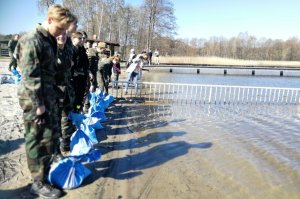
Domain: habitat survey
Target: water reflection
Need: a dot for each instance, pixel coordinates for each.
(256, 146)
(262, 81)
(236, 112)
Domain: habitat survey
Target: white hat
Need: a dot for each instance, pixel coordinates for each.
(132, 50)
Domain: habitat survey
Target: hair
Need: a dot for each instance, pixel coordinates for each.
(116, 58)
(84, 34)
(101, 44)
(61, 14)
(76, 35)
(143, 56)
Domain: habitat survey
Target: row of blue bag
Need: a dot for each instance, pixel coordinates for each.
(69, 172)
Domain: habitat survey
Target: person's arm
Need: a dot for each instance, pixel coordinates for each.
(10, 50)
(118, 68)
(31, 75)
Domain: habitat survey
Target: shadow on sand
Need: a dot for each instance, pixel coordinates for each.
(132, 165)
(137, 119)
(10, 145)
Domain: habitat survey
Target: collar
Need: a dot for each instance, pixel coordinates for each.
(42, 30)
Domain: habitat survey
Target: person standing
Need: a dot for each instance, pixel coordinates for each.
(116, 70)
(80, 70)
(156, 54)
(37, 57)
(92, 54)
(11, 49)
(67, 127)
(65, 94)
(134, 70)
(149, 57)
(93, 64)
(104, 65)
(132, 55)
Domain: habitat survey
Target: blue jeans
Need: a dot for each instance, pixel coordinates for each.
(132, 77)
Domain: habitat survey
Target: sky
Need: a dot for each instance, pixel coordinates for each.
(275, 19)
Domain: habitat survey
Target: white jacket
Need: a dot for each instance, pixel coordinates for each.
(136, 65)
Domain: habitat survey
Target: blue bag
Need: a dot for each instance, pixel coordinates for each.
(76, 118)
(90, 131)
(92, 98)
(80, 143)
(109, 99)
(100, 115)
(93, 122)
(68, 174)
(91, 156)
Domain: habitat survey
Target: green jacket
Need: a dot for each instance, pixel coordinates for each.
(37, 57)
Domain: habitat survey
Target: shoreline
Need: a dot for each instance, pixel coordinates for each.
(235, 64)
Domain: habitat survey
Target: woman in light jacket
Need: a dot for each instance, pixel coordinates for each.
(134, 70)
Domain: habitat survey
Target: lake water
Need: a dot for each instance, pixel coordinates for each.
(246, 80)
(254, 146)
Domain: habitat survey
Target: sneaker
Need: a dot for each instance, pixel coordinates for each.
(45, 190)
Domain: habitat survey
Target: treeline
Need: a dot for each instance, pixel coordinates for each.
(115, 21)
(153, 25)
(243, 46)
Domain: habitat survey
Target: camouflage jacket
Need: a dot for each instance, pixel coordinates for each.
(37, 58)
(105, 65)
(93, 58)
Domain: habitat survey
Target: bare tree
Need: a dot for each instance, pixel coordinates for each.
(43, 5)
(161, 19)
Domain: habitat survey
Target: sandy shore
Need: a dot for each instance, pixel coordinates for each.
(146, 156)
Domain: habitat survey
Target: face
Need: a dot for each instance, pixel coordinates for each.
(77, 41)
(102, 50)
(61, 39)
(88, 44)
(94, 45)
(83, 39)
(17, 37)
(115, 61)
(56, 28)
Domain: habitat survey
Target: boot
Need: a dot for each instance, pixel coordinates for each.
(45, 190)
(65, 147)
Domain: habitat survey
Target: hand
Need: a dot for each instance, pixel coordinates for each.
(91, 76)
(40, 110)
(41, 119)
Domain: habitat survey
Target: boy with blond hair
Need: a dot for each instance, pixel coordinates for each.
(37, 57)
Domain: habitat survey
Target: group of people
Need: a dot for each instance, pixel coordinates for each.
(156, 57)
(58, 73)
(59, 68)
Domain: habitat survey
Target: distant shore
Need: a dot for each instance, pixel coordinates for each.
(226, 62)
(215, 62)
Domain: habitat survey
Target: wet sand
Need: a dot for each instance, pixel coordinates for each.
(147, 154)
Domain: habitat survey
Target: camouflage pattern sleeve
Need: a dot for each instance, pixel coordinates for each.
(31, 72)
